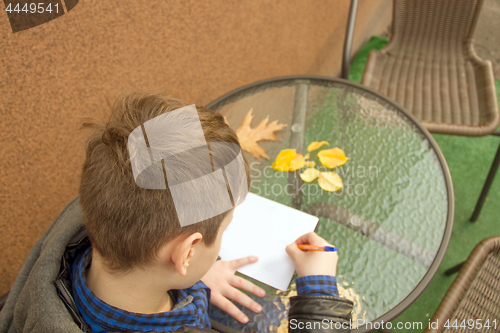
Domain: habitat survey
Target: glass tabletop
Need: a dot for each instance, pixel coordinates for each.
(392, 219)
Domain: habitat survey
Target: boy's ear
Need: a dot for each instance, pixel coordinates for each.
(185, 251)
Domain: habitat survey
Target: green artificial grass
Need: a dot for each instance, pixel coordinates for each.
(469, 160)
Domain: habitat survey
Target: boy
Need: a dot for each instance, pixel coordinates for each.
(139, 240)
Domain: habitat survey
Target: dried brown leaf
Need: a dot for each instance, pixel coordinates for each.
(249, 137)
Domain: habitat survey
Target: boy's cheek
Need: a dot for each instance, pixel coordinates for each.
(202, 263)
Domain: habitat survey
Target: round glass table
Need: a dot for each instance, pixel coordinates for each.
(392, 219)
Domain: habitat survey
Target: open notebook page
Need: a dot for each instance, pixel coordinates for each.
(263, 228)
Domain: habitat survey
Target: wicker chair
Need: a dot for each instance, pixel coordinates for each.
(475, 293)
(430, 67)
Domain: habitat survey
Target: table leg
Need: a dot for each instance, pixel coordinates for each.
(454, 269)
(297, 137)
(486, 187)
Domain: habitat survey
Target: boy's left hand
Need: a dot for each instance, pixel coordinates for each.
(223, 283)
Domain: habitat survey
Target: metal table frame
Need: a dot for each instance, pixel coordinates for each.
(403, 305)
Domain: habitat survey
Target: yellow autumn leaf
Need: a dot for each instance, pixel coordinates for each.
(315, 145)
(310, 164)
(309, 175)
(284, 159)
(288, 160)
(332, 158)
(297, 163)
(330, 181)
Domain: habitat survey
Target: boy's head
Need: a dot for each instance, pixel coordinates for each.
(128, 225)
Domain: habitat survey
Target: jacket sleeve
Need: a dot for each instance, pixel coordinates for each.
(319, 314)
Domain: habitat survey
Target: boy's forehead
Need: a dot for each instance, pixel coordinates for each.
(173, 145)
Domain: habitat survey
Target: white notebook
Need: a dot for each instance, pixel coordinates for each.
(263, 228)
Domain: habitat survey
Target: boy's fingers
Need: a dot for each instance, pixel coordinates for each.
(306, 239)
(293, 250)
(222, 303)
(235, 264)
(246, 285)
(312, 238)
(240, 298)
(321, 240)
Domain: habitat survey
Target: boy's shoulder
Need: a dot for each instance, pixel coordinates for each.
(33, 301)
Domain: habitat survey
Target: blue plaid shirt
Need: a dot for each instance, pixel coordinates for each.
(191, 304)
(317, 285)
(102, 317)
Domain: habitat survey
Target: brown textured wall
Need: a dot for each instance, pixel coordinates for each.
(53, 75)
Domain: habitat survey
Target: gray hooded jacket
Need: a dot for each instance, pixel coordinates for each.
(40, 299)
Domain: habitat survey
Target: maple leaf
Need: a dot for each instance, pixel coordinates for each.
(249, 137)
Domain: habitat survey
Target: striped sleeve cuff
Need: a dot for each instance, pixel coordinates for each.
(317, 285)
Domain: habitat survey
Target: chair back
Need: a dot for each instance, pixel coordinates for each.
(434, 28)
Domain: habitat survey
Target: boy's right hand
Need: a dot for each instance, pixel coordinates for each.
(312, 262)
(223, 284)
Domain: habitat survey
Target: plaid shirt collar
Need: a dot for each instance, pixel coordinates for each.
(191, 307)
